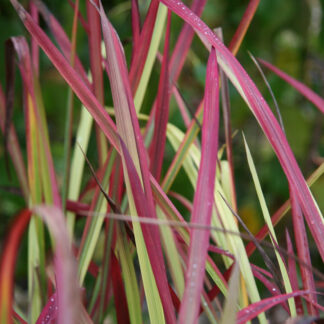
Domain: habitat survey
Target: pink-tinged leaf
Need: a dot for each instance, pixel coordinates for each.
(136, 25)
(265, 117)
(303, 252)
(119, 292)
(203, 200)
(94, 37)
(243, 26)
(292, 273)
(49, 312)
(252, 311)
(7, 265)
(130, 134)
(34, 45)
(61, 38)
(67, 286)
(183, 43)
(272, 288)
(156, 151)
(70, 75)
(151, 236)
(182, 106)
(139, 56)
(318, 306)
(299, 86)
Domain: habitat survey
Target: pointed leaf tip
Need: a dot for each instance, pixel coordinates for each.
(19, 8)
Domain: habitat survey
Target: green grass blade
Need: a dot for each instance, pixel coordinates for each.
(267, 218)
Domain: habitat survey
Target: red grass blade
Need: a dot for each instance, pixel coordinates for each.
(136, 25)
(34, 45)
(253, 310)
(203, 201)
(303, 253)
(49, 312)
(67, 286)
(61, 38)
(300, 87)
(94, 37)
(7, 265)
(292, 273)
(266, 119)
(119, 292)
(139, 56)
(183, 44)
(157, 146)
(243, 26)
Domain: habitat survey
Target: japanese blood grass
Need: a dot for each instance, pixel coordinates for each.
(155, 266)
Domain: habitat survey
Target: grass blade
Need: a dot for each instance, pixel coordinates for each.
(303, 253)
(243, 26)
(67, 286)
(94, 36)
(183, 43)
(299, 86)
(7, 265)
(231, 302)
(157, 146)
(267, 219)
(140, 56)
(253, 310)
(203, 201)
(292, 272)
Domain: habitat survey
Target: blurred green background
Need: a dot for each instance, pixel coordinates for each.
(289, 34)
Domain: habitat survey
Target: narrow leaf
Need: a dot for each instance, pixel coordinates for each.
(253, 310)
(203, 201)
(303, 253)
(299, 86)
(7, 265)
(68, 290)
(162, 111)
(243, 26)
